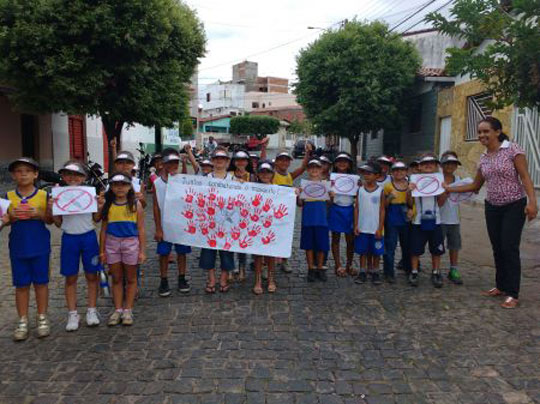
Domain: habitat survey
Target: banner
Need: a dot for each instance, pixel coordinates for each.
(456, 197)
(245, 217)
(4, 206)
(427, 184)
(345, 184)
(74, 200)
(314, 190)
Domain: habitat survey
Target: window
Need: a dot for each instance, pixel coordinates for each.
(254, 105)
(208, 97)
(264, 105)
(477, 109)
(269, 104)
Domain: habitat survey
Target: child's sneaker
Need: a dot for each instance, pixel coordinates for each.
(115, 318)
(73, 321)
(92, 318)
(311, 275)
(21, 331)
(455, 277)
(361, 278)
(376, 278)
(183, 285)
(413, 279)
(164, 289)
(436, 279)
(43, 326)
(322, 275)
(127, 317)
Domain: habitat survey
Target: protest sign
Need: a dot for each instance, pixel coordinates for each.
(427, 184)
(74, 200)
(315, 190)
(245, 217)
(344, 184)
(456, 197)
(4, 206)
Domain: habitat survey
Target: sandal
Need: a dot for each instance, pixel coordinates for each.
(271, 282)
(210, 289)
(341, 272)
(351, 271)
(224, 288)
(257, 290)
(493, 293)
(510, 303)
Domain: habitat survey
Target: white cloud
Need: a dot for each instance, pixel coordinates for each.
(245, 29)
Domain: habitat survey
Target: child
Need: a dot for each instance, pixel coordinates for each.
(242, 171)
(426, 226)
(189, 156)
(29, 245)
(369, 224)
(283, 177)
(341, 217)
(125, 163)
(122, 244)
(220, 160)
(398, 214)
(171, 160)
(450, 216)
(326, 167)
(385, 164)
(314, 234)
(157, 164)
(206, 167)
(265, 175)
(79, 241)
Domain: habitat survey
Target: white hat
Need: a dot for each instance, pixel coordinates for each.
(399, 165)
(206, 162)
(265, 166)
(314, 162)
(120, 178)
(241, 155)
(449, 158)
(220, 153)
(284, 154)
(343, 156)
(325, 159)
(73, 167)
(384, 159)
(429, 159)
(170, 157)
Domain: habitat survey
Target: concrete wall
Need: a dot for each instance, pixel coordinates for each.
(60, 139)
(268, 100)
(432, 47)
(224, 96)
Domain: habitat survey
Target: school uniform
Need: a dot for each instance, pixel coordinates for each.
(164, 247)
(29, 242)
(122, 241)
(283, 180)
(450, 223)
(397, 227)
(382, 183)
(427, 231)
(79, 242)
(341, 214)
(369, 205)
(314, 232)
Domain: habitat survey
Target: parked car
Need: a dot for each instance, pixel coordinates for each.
(299, 149)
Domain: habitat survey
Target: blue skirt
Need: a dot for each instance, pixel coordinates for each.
(341, 219)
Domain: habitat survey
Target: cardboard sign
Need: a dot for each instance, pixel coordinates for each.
(317, 190)
(344, 184)
(4, 206)
(226, 215)
(427, 184)
(458, 197)
(74, 200)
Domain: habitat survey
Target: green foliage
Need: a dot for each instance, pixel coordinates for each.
(305, 127)
(353, 80)
(186, 128)
(254, 125)
(129, 61)
(502, 49)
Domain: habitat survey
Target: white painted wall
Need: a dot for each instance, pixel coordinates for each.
(94, 139)
(269, 100)
(224, 96)
(60, 132)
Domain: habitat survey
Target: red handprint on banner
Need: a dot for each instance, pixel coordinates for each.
(267, 222)
(201, 216)
(211, 241)
(254, 231)
(188, 213)
(244, 212)
(221, 202)
(191, 229)
(281, 212)
(201, 201)
(256, 215)
(230, 203)
(212, 194)
(243, 224)
(212, 224)
(204, 229)
(240, 201)
(227, 245)
(245, 242)
(190, 194)
(267, 205)
(270, 237)
(220, 232)
(256, 200)
(235, 233)
(210, 210)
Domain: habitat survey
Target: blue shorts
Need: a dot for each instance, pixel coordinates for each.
(367, 244)
(315, 238)
(75, 247)
(208, 259)
(341, 218)
(27, 271)
(420, 237)
(165, 248)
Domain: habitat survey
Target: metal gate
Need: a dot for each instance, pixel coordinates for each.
(526, 128)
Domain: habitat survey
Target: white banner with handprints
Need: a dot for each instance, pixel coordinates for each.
(227, 215)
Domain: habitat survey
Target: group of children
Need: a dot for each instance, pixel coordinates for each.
(382, 213)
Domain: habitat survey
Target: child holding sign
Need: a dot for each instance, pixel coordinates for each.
(29, 245)
(426, 226)
(122, 244)
(450, 216)
(341, 218)
(314, 235)
(79, 240)
(369, 224)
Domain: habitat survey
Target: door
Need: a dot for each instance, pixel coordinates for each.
(445, 134)
(29, 129)
(77, 138)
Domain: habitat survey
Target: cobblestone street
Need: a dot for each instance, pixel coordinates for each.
(309, 343)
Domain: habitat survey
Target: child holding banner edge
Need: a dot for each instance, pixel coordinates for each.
(122, 244)
(79, 240)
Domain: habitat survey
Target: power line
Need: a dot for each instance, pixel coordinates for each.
(422, 20)
(423, 7)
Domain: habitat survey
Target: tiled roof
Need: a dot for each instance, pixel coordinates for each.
(431, 72)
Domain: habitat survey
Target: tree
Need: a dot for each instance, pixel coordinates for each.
(303, 127)
(127, 61)
(186, 128)
(254, 125)
(353, 80)
(502, 47)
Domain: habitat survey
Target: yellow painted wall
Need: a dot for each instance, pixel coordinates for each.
(453, 102)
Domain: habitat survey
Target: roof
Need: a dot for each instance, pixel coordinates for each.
(214, 118)
(420, 31)
(431, 72)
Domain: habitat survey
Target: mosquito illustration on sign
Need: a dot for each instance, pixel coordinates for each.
(344, 184)
(427, 184)
(74, 200)
(314, 190)
(4, 206)
(457, 198)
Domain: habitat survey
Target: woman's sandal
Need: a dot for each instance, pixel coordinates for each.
(510, 303)
(224, 288)
(341, 272)
(493, 293)
(210, 289)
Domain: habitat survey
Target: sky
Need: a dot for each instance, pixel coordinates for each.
(272, 33)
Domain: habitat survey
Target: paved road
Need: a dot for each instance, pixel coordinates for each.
(323, 343)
